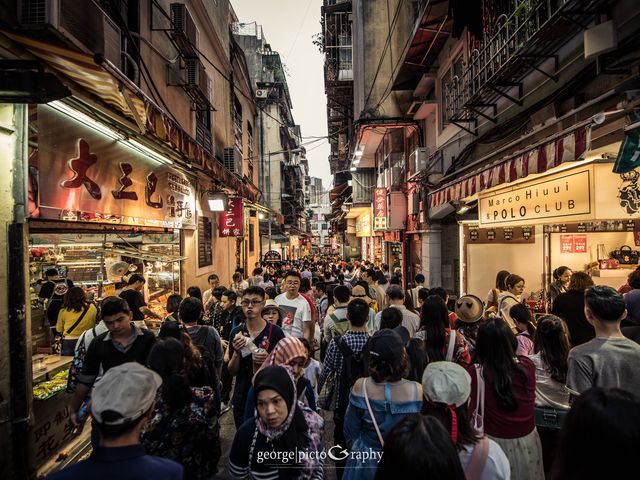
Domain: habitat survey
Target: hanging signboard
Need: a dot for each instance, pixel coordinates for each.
(272, 256)
(231, 222)
(380, 210)
(87, 176)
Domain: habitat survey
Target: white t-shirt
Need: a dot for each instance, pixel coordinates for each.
(297, 311)
(497, 465)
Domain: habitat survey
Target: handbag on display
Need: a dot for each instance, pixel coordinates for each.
(626, 256)
(609, 264)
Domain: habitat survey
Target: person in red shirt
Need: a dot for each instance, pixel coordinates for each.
(508, 416)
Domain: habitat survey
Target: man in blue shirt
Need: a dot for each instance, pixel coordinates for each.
(121, 403)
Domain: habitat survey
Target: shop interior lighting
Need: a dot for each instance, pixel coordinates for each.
(261, 216)
(217, 201)
(359, 152)
(353, 169)
(86, 120)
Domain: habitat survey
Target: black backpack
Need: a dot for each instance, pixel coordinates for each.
(354, 366)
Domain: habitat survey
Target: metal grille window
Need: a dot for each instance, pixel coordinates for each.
(203, 129)
(250, 151)
(450, 84)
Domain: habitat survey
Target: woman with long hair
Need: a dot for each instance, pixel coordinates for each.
(379, 401)
(570, 307)
(500, 286)
(184, 424)
(419, 447)
(195, 368)
(600, 437)
(265, 446)
(503, 395)
(75, 317)
(560, 284)
(552, 396)
(440, 341)
(446, 387)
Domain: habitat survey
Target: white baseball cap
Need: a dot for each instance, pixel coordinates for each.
(128, 389)
(446, 382)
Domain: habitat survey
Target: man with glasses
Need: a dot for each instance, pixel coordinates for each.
(250, 343)
(123, 342)
(298, 321)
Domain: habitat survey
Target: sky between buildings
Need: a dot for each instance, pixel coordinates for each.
(289, 26)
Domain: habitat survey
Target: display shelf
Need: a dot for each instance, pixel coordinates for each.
(55, 364)
(616, 272)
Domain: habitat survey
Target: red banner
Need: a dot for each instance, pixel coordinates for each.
(380, 211)
(231, 221)
(573, 243)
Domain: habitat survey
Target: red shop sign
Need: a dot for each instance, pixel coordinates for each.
(231, 221)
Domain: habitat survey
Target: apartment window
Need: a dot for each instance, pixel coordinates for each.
(203, 129)
(250, 151)
(451, 86)
(237, 123)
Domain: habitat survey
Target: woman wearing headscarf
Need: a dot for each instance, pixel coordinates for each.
(379, 401)
(266, 444)
(288, 351)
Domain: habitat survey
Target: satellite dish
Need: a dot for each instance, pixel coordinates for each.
(505, 306)
(118, 269)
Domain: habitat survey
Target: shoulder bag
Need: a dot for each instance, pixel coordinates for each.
(326, 397)
(77, 322)
(373, 417)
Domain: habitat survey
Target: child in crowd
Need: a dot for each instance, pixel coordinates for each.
(312, 368)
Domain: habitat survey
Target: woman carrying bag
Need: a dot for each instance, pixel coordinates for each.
(503, 394)
(75, 317)
(379, 401)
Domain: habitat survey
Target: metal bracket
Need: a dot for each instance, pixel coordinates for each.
(474, 107)
(529, 59)
(517, 101)
(456, 122)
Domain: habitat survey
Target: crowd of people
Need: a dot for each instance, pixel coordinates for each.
(415, 382)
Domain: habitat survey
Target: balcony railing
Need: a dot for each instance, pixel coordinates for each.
(520, 43)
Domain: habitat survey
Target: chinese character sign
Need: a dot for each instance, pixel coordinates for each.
(380, 212)
(231, 221)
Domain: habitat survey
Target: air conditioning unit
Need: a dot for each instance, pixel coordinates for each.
(83, 24)
(419, 159)
(232, 160)
(197, 82)
(183, 30)
(262, 93)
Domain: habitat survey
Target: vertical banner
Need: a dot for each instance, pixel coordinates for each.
(231, 222)
(380, 210)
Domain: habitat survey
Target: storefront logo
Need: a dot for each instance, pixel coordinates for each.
(629, 192)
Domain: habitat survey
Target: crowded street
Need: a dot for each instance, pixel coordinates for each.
(319, 239)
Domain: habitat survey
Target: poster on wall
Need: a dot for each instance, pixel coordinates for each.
(573, 243)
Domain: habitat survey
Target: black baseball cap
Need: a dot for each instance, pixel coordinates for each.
(387, 344)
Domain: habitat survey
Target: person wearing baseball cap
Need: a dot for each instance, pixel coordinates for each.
(121, 403)
(380, 400)
(446, 387)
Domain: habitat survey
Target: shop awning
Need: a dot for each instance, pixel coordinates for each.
(154, 123)
(568, 147)
(337, 191)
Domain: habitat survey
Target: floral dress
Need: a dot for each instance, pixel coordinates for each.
(189, 435)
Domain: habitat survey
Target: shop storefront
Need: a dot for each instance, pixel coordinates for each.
(363, 233)
(101, 208)
(576, 215)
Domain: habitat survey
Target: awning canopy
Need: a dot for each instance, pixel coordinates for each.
(338, 191)
(154, 124)
(546, 155)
